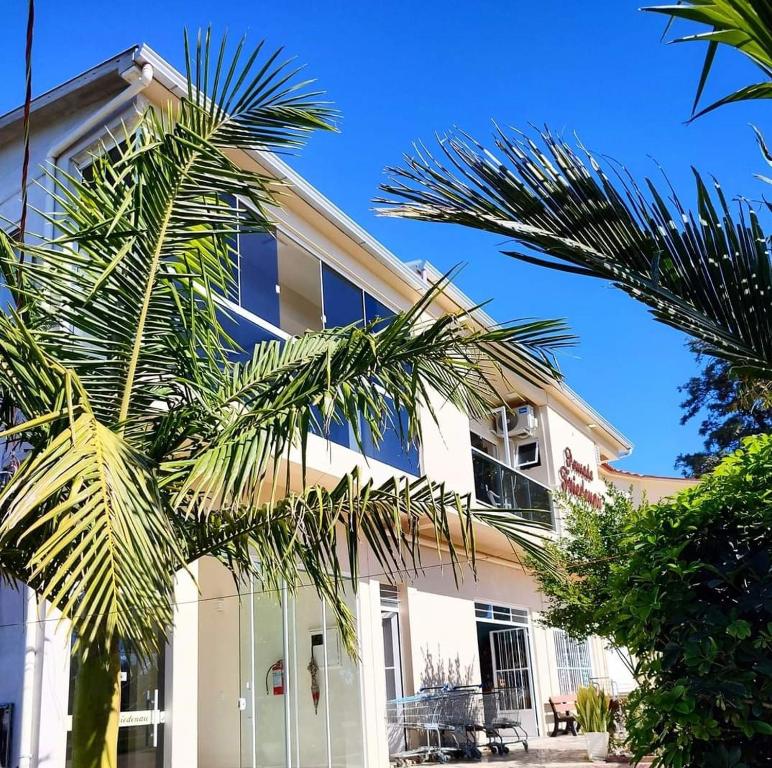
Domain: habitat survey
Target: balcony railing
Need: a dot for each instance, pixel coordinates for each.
(501, 486)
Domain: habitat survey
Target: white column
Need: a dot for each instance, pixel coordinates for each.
(181, 681)
(52, 717)
(372, 680)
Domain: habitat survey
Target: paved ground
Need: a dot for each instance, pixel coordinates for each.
(560, 752)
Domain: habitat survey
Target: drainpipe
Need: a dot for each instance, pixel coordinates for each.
(502, 413)
(139, 79)
(34, 635)
(34, 640)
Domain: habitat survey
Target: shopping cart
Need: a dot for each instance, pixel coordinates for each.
(426, 732)
(501, 709)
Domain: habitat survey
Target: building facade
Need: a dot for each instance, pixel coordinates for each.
(234, 686)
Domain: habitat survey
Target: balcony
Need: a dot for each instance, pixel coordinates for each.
(501, 486)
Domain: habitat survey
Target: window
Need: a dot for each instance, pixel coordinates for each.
(259, 275)
(489, 612)
(481, 444)
(394, 448)
(528, 455)
(392, 662)
(300, 289)
(245, 333)
(573, 662)
(343, 301)
(375, 310)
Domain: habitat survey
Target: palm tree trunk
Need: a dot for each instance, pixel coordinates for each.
(97, 708)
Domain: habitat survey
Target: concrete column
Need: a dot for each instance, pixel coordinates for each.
(181, 679)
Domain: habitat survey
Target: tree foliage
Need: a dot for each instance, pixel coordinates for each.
(730, 409)
(706, 272)
(577, 588)
(744, 25)
(685, 585)
(695, 609)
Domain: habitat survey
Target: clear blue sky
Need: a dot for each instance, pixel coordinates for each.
(402, 70)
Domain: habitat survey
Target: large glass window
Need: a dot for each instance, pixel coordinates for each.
(343, 301)
(394, 448)
(245, 333)
(259, 275)
(375, 310)
(300, 289)
(573, 662)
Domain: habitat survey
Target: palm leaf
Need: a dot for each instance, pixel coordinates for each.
(297, 539)
(143, 245)
(101, 548)
(707, 274)
(745, 25)
(351, 375)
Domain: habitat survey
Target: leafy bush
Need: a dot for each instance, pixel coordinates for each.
(695, 609)
(685, 586)
(593, 711)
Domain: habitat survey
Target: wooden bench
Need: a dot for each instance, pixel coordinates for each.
(562, 708)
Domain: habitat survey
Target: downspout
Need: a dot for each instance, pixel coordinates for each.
(34, 635)
(502, 413)
(34, 643)
(139, 79)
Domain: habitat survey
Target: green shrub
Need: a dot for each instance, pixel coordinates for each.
(695, 609)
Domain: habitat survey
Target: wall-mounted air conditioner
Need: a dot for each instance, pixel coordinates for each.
(522, 423)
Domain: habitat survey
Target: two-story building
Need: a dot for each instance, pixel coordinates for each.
(234, 688)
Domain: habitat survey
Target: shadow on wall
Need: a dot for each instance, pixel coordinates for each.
(439, 671)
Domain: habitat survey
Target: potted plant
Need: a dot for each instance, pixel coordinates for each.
(594, 717)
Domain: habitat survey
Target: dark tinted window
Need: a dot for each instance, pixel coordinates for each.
(394, 448)
(245, 333)
(375, 310)
(342, 299)
(259, 275)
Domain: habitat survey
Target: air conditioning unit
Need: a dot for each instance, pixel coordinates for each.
(522, 423)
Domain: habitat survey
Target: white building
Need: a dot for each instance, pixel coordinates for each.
(233, 687)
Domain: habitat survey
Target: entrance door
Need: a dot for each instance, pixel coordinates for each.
(140, 728)
(511, 659)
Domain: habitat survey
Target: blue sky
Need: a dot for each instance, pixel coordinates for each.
(403, 70)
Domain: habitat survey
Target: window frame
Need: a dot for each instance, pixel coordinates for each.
(568, 649)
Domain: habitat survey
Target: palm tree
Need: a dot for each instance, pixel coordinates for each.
(148, 446)
(707, 274)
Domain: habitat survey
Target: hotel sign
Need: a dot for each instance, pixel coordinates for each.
(573, 478)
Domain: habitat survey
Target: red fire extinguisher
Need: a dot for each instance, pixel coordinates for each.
(274, 678)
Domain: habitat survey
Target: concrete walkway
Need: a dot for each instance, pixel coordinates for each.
(560, 752)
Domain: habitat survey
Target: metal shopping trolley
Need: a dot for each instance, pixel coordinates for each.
(422, 719)
(502, 724)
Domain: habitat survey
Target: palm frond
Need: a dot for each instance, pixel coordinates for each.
(354, 376)
(143, 245)
(745, 25)
(299, 538)
(705, 273)
(87, 509)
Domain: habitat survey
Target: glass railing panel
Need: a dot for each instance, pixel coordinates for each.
(506, 488)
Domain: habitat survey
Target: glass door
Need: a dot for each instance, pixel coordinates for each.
(300, 690)
(140, 729)
(512, 674)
